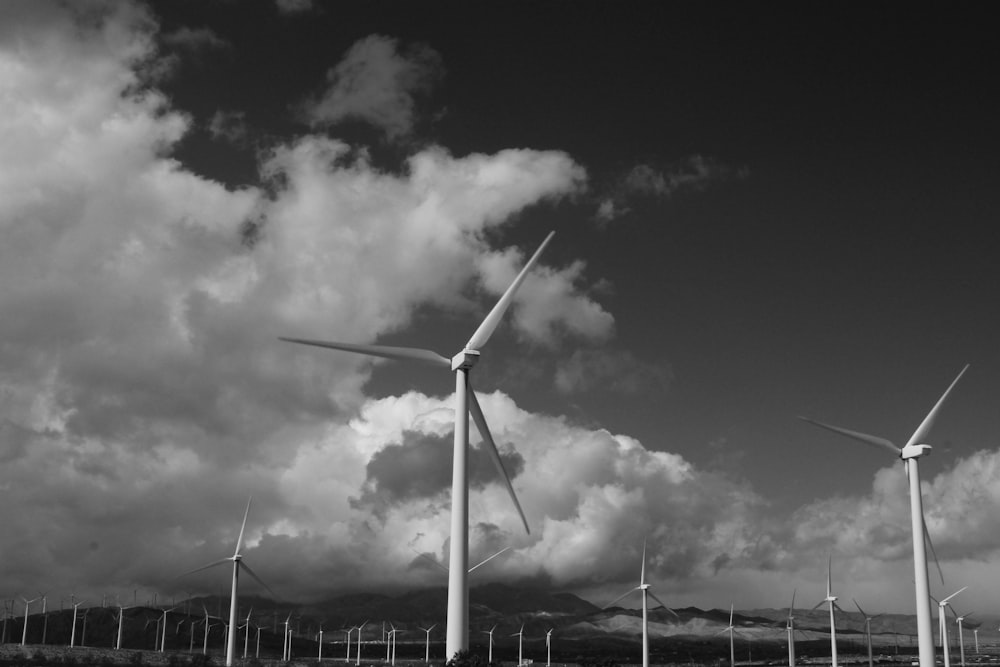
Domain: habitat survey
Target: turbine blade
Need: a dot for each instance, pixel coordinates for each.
(489, 325)
(488, 559)
(642, 571)
(205, 567)
(859, 608)
(385, 351)
(921, 433)
(930, 545)
(432, 560)
(256, 578)
(873, 440)
(818, 605)
(731, 607)
(944, 601)
(491, 449)
(620, 598)
(792, 606)
(239, 540)
(661, 603)
(829, 576)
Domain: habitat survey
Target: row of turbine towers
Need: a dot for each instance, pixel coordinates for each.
(466, 404)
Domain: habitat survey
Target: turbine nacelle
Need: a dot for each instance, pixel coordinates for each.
(914, 451)
(465, 359)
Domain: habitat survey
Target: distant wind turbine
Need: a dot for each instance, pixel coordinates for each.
(959, 620)
(246, 635)
(348, 632)
(868, 630)
(790, 628)
(163, 639)
(831, 600)
(915, 448)
(427, 643)
(72, 634)
(237, 560)
(520, 645)
(548, 648)
(45, 617)
(943, 624)
(643, 587)
(490, 633)
(121, 621)
(24, 630)
(732, 640)
(319, 640)
(360, 628)
(465, 402)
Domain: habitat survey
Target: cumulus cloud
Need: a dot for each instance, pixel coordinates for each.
(377, 82)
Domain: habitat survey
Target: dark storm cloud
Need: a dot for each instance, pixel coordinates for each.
(420, 468)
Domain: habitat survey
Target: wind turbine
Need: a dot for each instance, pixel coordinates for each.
(548, 648)
(72, 634)
(163, 637)
(121, 616)
(943, 625)
(24, 631)
(868, 630)
(237, 560)
(520, 645)
(319, 636)
(644, 588)
(427, 644)
(975, 634)
(286, 650)
(387, 638)
(348, 632)
(246, 635)
(961, 637)
(790, 628)
(360, 628)
(45, 617)
(831, 600)
(204, 648)
(465, 402)
(732, 640)
(910, 453)
(392, 636)
(490, 633)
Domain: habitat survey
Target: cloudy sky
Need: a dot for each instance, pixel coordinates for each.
(759, 213)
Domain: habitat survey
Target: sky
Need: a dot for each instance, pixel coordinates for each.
(760, 212)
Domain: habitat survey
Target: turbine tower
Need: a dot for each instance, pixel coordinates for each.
(831, 600)
(465, 402)
(644, 587)
(24, 630)
(237, 560)
(732, 640)
(548, 648)
(910, 453)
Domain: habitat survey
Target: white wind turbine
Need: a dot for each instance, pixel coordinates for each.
(163, 637)
(427, 643)
(868, 630)
(831, 600)
(490, 633)
(237, 560)
(548, 648)
(348, 632)
(520, 645)
(121, 621)
(24, 630)
(961, 637)
(943, 625)
(246, 635)
(72, 634)
(644, 588)
(915, 448)
(319, 640)
(204, 648)
(45, 617)
(790, 629)
(387, 638)
(360, 628)
(732, 640)
(975, 634)
(465, 402)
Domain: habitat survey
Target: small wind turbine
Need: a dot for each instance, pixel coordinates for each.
(831, 600)
(961, 637)
(392, 636)
(72, 634)
(24, 631)
(348, 633)
(490, 633)
(915, 448)
(520, 645)
(943, 625)
(286, 652)
(204, 648)
(163, 637)
(427, 643)
(360, 628)
(121, 621)
(644, 588)
(790, 628)
(45, 617)
(548, 648)
(237, 560)
(246, 635)
(868, 630)
(319, 640)
(975, 634)
(732, 640)
(465, 402)
(387, 638)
